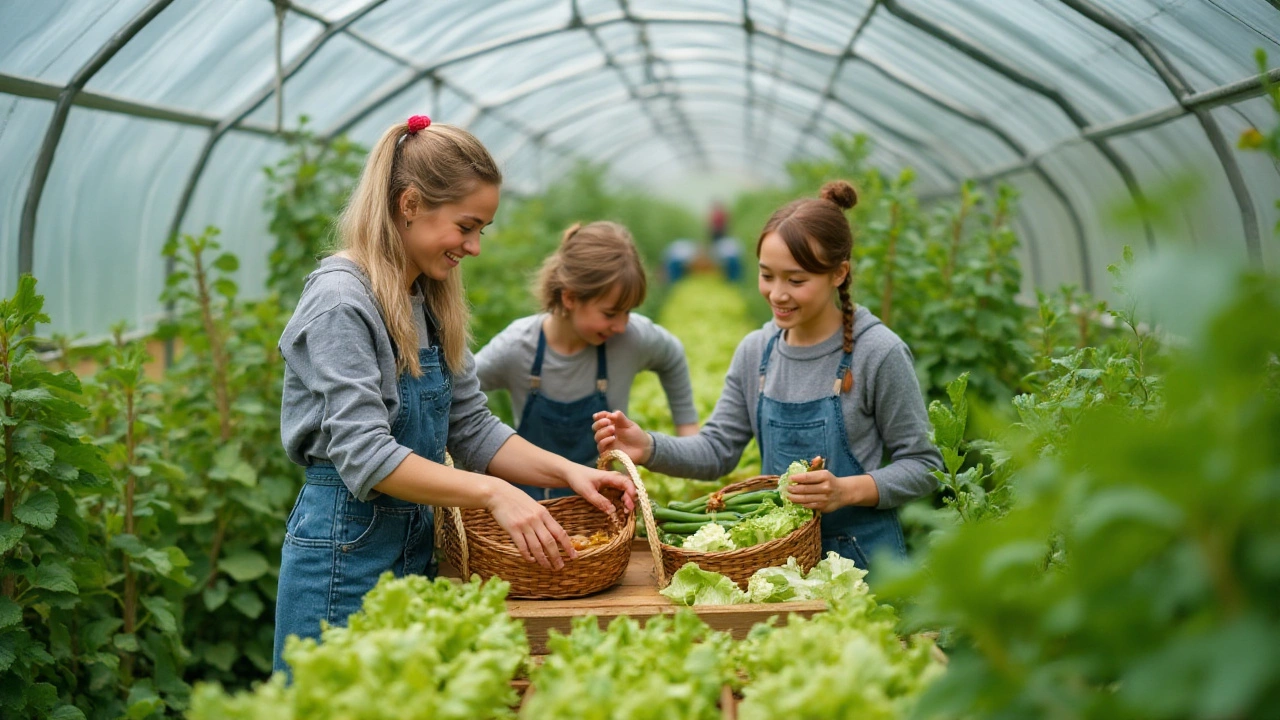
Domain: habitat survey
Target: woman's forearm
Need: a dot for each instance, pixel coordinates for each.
(520, 461)
(422, 481)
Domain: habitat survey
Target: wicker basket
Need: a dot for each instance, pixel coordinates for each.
(804, 544)
(485, 549)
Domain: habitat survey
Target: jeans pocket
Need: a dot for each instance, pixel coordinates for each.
(311, 520)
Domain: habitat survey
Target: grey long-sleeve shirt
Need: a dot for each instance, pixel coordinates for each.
(505, 363)
(883, 415)
(341, 386)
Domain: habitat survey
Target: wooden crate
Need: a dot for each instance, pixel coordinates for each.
(637, 595)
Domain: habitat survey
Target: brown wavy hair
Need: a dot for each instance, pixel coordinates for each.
(592, 260)
(818, 235)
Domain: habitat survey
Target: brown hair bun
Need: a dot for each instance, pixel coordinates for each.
(839, 192)
(570, 232)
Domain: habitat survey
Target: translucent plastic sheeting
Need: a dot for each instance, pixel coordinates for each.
(203, 57)
(1184, 178)
(1261, 172)
(1096, 71)
(340, 75)
(656, 89)
(104, 218)
(429, 32)
(968, 145)
(22, 126)
(1030, 118)
(1211, 42)
(1057, 256)
(418, 99)
(52, 40)
(1099, 195)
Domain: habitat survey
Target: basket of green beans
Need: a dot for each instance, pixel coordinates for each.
(735, 531)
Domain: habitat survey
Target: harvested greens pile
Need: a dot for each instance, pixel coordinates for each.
(724, 521)
(834, 579)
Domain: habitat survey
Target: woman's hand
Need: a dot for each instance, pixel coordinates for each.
(588, 482)
(615, 431)
(822, 491)
(536, 534)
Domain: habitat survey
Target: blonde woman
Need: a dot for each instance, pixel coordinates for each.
(580, 355)
(379, 382)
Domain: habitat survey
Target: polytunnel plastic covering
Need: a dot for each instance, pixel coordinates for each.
(123, 121)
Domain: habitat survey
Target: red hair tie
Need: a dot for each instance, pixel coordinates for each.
(418, 122)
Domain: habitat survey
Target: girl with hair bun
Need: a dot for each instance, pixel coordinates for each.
(580, 355)
(378, 382)
(823, 378)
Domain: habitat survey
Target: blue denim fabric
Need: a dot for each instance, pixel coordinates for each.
(801, 430)
(336, 546)
(563, 428)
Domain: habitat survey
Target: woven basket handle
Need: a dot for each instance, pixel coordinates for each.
(465, 554)
(646, 511)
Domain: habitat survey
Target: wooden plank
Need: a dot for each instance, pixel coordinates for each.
(637, 595)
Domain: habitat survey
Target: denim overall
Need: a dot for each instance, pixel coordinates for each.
(336, 546)
(563, 428)
(791, 431)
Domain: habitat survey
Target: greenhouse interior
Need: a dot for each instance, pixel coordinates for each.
(777, 358)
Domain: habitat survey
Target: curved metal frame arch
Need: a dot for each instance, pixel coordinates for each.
(942, 167)
(58, 121)
(969, 48)
(725, 58)
(1196, 103)
(1181, 90)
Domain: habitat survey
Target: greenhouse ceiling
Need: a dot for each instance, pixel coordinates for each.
(125, 121)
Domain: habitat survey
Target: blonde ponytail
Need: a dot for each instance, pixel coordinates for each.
(442, 164)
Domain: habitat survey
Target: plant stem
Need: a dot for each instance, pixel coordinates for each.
(130, 580)
(221, 396)
(216, 345)
(9, 584)
(886, 302)
(957, 226)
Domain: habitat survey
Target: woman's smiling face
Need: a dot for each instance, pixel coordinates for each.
(437, 239)
(796, 296)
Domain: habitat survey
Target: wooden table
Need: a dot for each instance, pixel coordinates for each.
(637, 595)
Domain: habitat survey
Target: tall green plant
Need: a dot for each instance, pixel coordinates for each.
(222, 400)
(47, 559)
(305, 192)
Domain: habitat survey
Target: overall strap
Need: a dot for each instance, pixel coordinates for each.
(844, 376)
(602, 369)
(535, 372)
(433, 327)
(764, 359)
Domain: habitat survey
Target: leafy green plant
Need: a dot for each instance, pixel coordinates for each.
(1157, 526)
(417, 648)
(978, 491)
(845, 663)
(672, 667)
(305, 192)
(222, 399)
(47, 556)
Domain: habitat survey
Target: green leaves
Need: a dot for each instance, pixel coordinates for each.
(672, 667)
(439, 648)
(244, 566)
(39, 510)
(51, 575)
